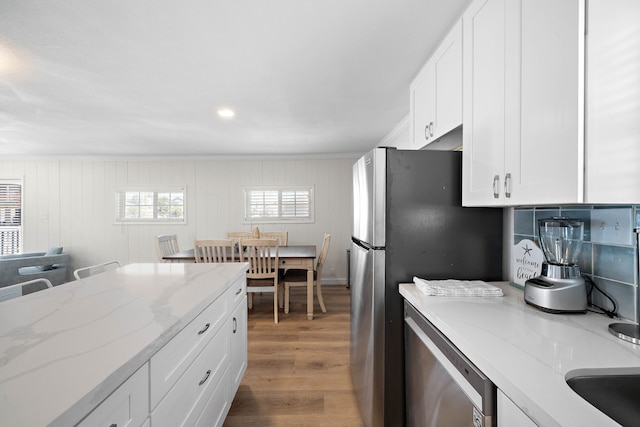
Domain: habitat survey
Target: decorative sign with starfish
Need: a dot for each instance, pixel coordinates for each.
(526, 259)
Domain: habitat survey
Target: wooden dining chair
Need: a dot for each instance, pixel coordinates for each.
(262, 275)
(166, 244)
(214, 251)
(24, 288)
(92, 270)
(281, 236)
(298, 277)
(235, 236)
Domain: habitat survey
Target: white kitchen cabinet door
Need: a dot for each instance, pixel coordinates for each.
(239, 354)
(613, 93)
(509, 415)
(447, 64)
(548, 167)
(483, 113)
(422, 105)
(436, 93)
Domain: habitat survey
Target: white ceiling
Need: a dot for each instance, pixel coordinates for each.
(145, 77)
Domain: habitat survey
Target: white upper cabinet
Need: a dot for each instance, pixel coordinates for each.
(524, 103)
(613, 108)
(483, 132)
(523, 120)
(436, 92)
(549, 167)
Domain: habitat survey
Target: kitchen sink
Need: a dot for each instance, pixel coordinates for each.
(616, 392)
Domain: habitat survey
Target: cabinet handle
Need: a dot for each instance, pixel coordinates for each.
(206, 377)
(496, 186)
(238, 291)
(507, 185)
(113, 425)
(430, 128)
(426, 132)
(235, 325)
(203, 330)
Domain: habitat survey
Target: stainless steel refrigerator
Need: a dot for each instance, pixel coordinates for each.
(408, 221)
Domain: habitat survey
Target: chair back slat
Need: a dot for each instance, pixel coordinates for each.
(96, 269)
(262, 256)
(323, 255)
(24, 288)
(281, 236)
(166, 244)
(222, 250)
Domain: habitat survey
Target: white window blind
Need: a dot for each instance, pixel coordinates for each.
(137, 206)
(286, 204)
(10, 218)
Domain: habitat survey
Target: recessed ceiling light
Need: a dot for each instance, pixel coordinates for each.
(226, 113)
(9, 61)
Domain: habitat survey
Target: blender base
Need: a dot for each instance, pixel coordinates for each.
(557, 296)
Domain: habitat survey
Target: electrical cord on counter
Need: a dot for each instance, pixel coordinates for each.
(611, 313)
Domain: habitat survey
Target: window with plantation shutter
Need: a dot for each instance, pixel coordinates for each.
(278, 204)
(10, 217)
(143, 206)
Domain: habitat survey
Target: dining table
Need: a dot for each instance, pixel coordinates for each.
(291, 256)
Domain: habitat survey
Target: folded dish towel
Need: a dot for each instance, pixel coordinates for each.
(457, 288)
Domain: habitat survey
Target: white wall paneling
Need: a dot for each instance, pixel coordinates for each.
(71, 203)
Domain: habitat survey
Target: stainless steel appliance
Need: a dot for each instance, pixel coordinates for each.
(444, 389)
(560, 288)
(408, 221)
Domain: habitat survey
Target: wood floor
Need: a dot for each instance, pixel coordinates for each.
(298, 372)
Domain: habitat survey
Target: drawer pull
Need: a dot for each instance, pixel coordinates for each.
(203, 330)
(113, 425)
(238, 291)
(206, 377)
(235, 325)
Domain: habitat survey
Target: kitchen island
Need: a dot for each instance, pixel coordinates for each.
(527, 353)
(79, 349)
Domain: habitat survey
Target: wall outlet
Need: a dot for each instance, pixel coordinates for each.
(612, 226)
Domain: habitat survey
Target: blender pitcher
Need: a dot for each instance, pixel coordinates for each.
(560, 288)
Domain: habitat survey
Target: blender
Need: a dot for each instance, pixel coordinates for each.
(560, 288)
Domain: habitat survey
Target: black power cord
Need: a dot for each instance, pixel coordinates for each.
(611, 313)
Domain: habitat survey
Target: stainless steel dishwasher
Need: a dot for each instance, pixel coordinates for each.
(443, 388)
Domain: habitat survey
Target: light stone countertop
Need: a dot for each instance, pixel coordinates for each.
(64, 350)
(526, 352)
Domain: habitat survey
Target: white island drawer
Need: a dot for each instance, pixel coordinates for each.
(168, 364)
(192, 394)
(237, 291)
(128, 406)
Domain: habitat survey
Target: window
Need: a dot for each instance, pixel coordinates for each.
(151, 206)
(287, 204)
(10, 217)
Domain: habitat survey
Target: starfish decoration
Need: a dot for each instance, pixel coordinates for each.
(527, 250)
